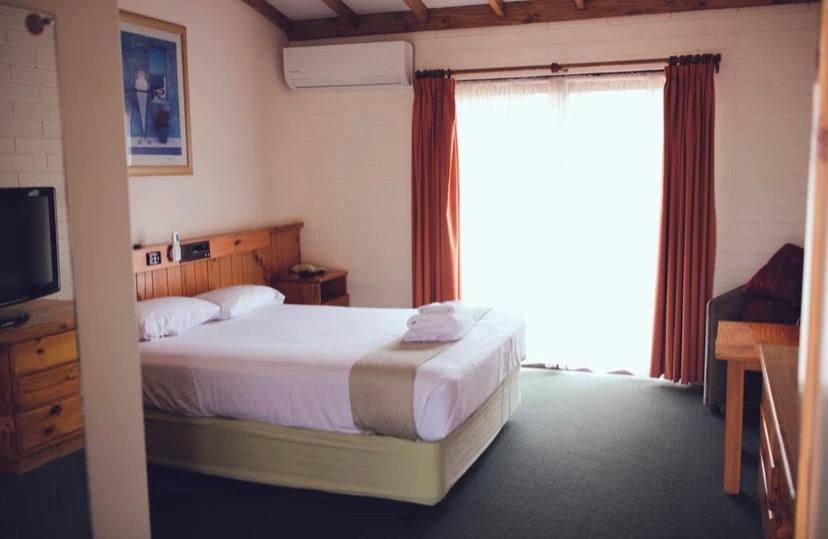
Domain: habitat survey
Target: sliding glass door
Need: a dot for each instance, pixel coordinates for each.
(560, 200)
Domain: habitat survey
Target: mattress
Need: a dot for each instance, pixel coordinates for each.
(288, 365)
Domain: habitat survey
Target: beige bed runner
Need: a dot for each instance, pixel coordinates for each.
(381, 385)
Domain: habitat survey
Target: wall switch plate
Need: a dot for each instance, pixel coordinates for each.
(153, 258)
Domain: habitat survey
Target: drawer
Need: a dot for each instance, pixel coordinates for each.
(32, 356)
(767, 496)
(44, 387)
(300, 293)
(48, 423)
(768, 517)
(342, 301)
(767, 441)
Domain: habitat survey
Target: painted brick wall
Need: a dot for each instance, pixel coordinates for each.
(31, 150)
(344, 163)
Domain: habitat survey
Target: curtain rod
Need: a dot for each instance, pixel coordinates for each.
(714, 59)
(567, 75)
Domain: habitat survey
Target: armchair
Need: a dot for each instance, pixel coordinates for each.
(728, 306)
(772, 295)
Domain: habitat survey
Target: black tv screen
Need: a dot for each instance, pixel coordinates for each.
(28, 244)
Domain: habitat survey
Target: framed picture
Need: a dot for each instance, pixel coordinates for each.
(156, 99)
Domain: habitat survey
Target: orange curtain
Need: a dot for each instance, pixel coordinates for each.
(688, 221)
(435, 192)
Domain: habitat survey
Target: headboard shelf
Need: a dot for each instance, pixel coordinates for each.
(243, 257)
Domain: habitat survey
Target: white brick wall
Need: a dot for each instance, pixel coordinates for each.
(31, 150)
(343, 159)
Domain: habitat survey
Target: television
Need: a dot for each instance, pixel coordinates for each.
(28, 249)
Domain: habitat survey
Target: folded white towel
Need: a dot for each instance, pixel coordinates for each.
(444, 307)
(441, 322)
(439, 327)
(437, 335)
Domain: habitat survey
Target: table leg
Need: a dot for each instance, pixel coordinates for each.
(734, 408)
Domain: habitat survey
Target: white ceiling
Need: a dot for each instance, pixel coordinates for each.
(298, 10)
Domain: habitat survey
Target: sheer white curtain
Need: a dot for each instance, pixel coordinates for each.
(560, 185)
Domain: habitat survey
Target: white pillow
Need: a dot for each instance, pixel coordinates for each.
(237, 300)
(171, 316)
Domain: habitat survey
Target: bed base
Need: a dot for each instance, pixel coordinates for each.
(356, 464)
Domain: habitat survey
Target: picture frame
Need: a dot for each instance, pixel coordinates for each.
(156, 96)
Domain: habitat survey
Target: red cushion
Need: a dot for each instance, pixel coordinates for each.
(770, 310)
(781, 277)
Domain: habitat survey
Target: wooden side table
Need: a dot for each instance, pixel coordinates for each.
(738, 343)
(330, 288)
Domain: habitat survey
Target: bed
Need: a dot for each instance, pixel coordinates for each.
(265, 397)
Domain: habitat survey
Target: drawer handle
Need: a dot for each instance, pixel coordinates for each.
(40, 351)
(48, 431)
(55, 410)
(237, 242)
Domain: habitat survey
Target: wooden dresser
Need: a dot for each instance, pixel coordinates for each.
(778, 440)
(330, 288)
(41, 415)
(739, 344)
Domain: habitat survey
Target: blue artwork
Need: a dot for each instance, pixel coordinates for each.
(155, 122)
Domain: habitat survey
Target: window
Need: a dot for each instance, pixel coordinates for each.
(560, 184)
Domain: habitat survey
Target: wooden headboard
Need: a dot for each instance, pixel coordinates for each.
(246, 257)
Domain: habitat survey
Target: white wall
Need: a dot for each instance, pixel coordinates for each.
(233, 77)
(344, 169)
(343, 159)
(31, 150)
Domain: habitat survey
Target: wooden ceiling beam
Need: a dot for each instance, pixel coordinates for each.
(346, 13)
(418, 9)
(524, 12)
(580, 4)
(497, 7)
(276, 17)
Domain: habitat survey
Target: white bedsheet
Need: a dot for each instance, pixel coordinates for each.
(289, 364)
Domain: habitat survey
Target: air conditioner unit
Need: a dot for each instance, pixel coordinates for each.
(354, 65)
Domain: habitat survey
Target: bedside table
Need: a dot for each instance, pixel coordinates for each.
(330, 288)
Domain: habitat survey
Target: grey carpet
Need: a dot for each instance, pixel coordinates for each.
(48, 502)
(584, 456)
